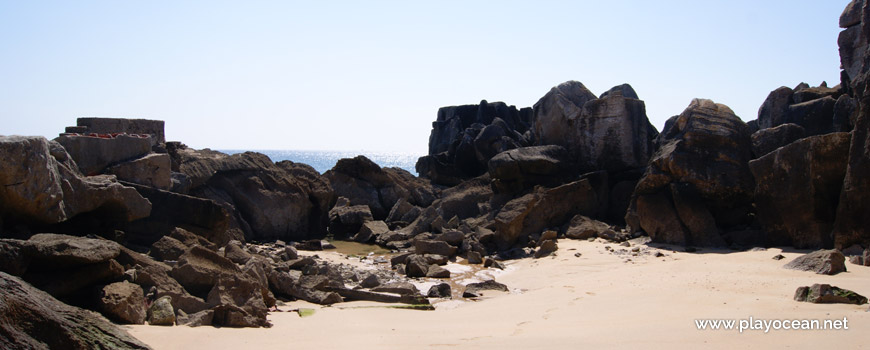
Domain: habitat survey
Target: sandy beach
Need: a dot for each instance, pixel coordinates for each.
(598, 300)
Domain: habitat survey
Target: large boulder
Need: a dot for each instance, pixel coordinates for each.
(319, 191)
(63, 265)
(94, 153)
(542, 209)
(611, 133)
(43, 185)
(204, 217)
(797, 190)
(152, 170)
(363, 182)
(853, 209)
(773, 110)
(199, 269)
(268, 202)
(699, 181)
(464, 138)
(32, 319)
(157, 276)
(123, 302)
(238, 302)
(522, 168)
(346, 219)
(56, 250)
(765, 141)
(823, 262)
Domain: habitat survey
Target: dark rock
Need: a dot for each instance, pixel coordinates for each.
(853, 209)
(490, 262)
(436, 271)
(355, 294)
(167, 248)
(238, 302)
(273, 202)
(202, 217)
(161, 313)
(363, 182)
(400, 258)
(845, 113)
(417, 266)
(778, 257)
(441, 290)
(625, 90)
(345, 219)
(466, 199)
(319, 190)
(63, 250)
(436, 259)
(582, 227)
(233, 251)
(401, 288)
(545, 208)
(42, 189)
(823, 262)
(314, 245)
(452, 237)
(123, 302)
(547, 248)
(157, 276)
(94, 154)
(704, 153)
(13, 257)
(851, 14)
(434, 247)
(199, 269)
(773, 111)
(32, 319)
(290, 285)
(611, 133)
(464, 138)
(152, 170)
(473, 290)
(827, 294)
(474, 257)
(199, 319)
(815, 93)
(815, 116)
(768, 140)
(288, 253)
(370, 281)
(403, 211)
(522, 168)
(797, 190)
(370, 230)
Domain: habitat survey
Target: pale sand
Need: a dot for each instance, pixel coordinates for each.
(593, 301)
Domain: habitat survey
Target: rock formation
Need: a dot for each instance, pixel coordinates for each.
(610, 133)
(698, 183)
(465, 138)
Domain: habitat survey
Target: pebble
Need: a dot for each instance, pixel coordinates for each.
(577, 255)
(625, 244)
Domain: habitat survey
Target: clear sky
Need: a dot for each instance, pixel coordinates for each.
(370, 75)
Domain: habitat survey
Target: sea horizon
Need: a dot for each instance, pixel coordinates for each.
(324, 160)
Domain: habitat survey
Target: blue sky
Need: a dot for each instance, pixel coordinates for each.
(370, 75)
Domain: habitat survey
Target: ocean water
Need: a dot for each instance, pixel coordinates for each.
(325, 160)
